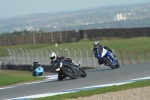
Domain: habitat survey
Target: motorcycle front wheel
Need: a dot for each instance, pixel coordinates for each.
(70, 72)
(109, 63)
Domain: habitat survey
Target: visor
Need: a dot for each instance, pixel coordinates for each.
(52, 58)
(95, 45)
(35, 64)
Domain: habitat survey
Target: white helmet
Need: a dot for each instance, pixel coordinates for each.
(53, 56)
(96, 44)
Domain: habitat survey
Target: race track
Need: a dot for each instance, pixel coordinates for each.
(97, 76)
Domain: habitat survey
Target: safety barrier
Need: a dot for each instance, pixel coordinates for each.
(22, 59)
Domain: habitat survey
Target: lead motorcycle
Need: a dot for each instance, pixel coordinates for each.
(103, 56)
(68, 69)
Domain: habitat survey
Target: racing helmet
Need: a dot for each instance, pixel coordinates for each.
(35, 62)
(96, 44)
(53, 56)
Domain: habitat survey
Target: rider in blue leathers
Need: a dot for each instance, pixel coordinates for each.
(37, 69)
(108, 53)
(96, 48)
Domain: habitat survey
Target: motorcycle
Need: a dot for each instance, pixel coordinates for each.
(68, 69)
(38, 71)
(103, 56)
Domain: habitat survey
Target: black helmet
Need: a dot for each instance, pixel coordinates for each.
(35, 63)
(96, 44)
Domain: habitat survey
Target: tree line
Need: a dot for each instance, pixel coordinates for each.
(16, 33)
(115, 24)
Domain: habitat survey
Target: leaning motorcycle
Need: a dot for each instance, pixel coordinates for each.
(38, 71)
(68, 69)
(103, 56)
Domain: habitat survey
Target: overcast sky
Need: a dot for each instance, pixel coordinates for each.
(12, 8)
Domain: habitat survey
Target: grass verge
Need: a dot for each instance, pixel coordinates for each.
(9, 77)
(117, 44)
(103, 90)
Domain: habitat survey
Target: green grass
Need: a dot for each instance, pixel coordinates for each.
(117, 44)
(103, 90)
(9, 77)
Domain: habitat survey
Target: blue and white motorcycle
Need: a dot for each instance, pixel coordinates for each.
(107, 58)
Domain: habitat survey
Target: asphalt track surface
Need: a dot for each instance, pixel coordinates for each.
(98, 76)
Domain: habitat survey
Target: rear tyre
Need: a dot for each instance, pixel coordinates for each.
(117, 65)
(83, 73)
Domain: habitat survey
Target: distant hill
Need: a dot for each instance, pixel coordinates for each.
(103, 17)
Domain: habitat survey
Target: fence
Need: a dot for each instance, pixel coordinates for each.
(115, 32)
(84, 56)
(71, 36)
(49, 37)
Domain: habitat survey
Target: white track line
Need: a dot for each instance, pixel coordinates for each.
(48, 78)
(78, 89)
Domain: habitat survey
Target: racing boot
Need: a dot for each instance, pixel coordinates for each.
(77, 65)
(114, 55)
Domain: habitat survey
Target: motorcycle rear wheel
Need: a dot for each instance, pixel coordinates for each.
(83, 73)
(117, 65)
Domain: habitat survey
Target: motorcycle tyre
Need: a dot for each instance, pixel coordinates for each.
(109, 64)
(69, 75)
(34, 73)
(41, 74)
(83, 73)
(61, 76)
(117, 65)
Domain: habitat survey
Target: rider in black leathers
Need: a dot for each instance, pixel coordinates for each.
(56, 61)
(95, 50)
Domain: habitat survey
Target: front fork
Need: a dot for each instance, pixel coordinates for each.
(104, 58)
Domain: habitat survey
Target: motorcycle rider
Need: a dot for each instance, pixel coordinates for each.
(96, 48)
(34, 66)
(108, 53)
(56, 60)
